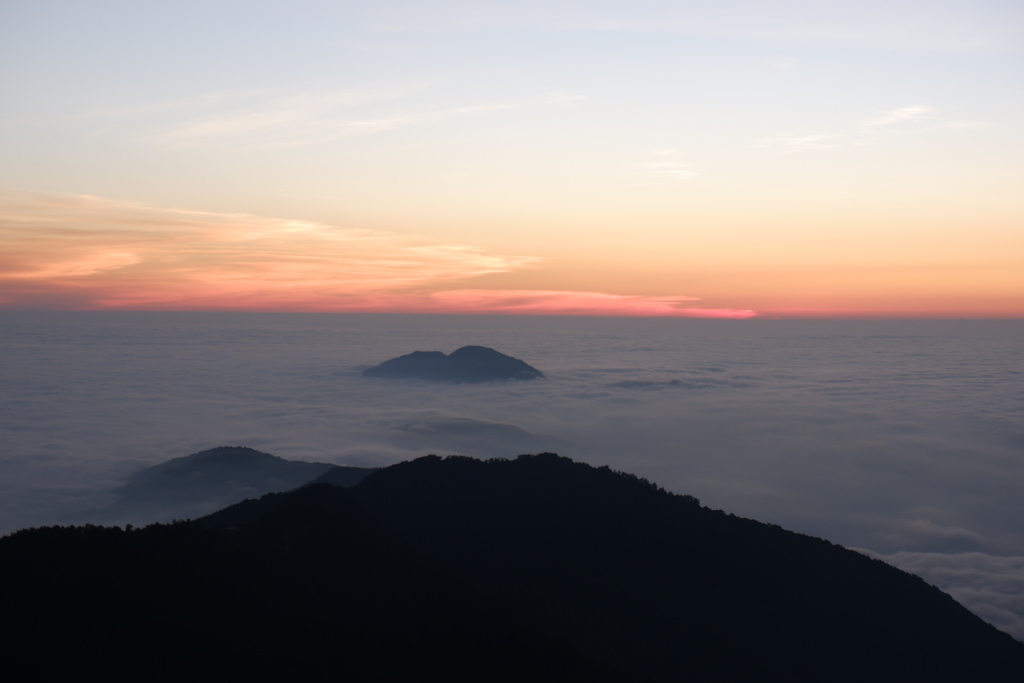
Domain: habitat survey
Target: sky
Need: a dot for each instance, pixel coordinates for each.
(690, 158)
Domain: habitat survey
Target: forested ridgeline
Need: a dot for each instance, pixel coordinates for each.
(537, 568)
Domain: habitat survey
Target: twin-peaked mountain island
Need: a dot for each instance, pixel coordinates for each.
(468, 364)
(456, 569)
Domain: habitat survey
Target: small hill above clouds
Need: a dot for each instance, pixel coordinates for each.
(538, 568)
(467, 364)
(200, 483)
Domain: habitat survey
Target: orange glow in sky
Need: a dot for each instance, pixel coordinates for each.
(82, 252)
(88, 253)
(700, 159)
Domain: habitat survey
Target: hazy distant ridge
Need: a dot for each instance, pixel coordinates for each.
(197, 484)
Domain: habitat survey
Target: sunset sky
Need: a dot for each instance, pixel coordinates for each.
(687, 158)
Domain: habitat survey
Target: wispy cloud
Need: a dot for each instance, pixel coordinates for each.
(867, 131)
(898, 116)
(963, 124)
(811, 141)
(269, 120)
(274, 118)
(304, 121)
(82, 252)
(95, 252)
(893, 25)
(670, 168)
(556, 302)
(668, 162)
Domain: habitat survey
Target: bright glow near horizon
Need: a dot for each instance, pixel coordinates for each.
(711, 159)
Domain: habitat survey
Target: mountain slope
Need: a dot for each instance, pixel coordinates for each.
(656, 585)
(537, 568)
(309, 592)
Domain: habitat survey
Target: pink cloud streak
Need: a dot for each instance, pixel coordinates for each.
(552, 302)
(83, 252)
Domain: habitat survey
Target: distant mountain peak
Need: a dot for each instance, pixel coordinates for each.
(202, 482)
(466, 364)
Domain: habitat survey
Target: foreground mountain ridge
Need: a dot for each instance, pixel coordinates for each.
(538, 568)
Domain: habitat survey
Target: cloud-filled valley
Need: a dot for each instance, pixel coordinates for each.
(901, 438)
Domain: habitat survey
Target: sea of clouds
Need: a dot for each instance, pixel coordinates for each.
(903, 439)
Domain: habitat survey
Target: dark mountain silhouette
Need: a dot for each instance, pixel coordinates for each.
(468, 364)
(455, 569)
(343, 476)
(200, 483)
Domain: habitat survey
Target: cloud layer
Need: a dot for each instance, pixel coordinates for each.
(867, 131)
(990, 586)
(901, 437)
